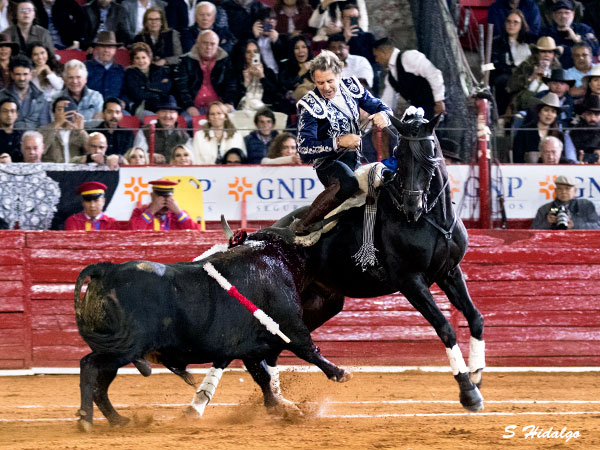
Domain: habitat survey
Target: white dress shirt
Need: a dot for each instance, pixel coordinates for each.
(360, 67)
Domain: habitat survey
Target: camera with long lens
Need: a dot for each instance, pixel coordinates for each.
(562, 217)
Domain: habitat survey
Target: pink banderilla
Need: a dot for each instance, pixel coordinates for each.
(262, 317)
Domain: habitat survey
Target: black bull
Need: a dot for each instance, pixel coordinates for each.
(176, 315)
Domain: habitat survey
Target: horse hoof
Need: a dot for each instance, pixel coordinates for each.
(84, 426)
(192, 413)
(118, 421)
(345, 376)
(471, 400)
(476, 377)
(285, 408)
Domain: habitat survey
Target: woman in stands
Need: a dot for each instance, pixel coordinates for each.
(217, 136)
(292, 16)
(293, 73)
(282, 150)
(509, 49)
(47, 70)
(181, 156)
(145, 84)
(591, 83)
(135, 156)
(327, 18)
(164, 42)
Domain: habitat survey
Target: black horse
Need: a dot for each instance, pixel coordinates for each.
(419, 241)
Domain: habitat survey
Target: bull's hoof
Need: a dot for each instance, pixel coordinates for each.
(84, 426)
(343, 376)
(471, 399)
(476, 377)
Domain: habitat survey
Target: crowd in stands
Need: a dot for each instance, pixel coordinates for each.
(546, 80)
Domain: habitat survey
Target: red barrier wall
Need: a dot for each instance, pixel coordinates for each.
(538, 292)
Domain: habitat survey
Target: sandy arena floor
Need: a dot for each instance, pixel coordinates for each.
(411, 410)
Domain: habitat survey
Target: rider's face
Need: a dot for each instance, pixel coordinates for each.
(327, 83)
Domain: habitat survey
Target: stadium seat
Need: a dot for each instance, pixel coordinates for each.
(122, 57)
(130, 122)
(197, 122)
(67, 55)
(180, 121)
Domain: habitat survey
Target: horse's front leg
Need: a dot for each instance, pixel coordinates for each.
(455, 288)
(416, 290)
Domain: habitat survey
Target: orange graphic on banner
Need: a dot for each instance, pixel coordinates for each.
(547, 186)
(136, 189)
(240, 189)
(454, 186)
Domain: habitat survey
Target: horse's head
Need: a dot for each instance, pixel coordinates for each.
(417, 160)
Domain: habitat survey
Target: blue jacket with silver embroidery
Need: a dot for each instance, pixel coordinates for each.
(320, 121)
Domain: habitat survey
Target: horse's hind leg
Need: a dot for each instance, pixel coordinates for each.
(455, 288)
(417, 292)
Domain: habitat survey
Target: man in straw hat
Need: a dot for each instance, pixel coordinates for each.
(585, 136)
(545, 123)
(104, 74)
(162, 213)
(567, 33)
(566, 212)
(91, 218)
(526, 79)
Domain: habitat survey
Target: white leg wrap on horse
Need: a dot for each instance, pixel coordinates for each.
(207, 389)
(476, 354)
(275, 387)
(457, 363)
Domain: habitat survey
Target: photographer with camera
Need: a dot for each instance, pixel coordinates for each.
(64, 138)
(566, 212)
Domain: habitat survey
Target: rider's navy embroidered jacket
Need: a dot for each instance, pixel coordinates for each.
(320, 121)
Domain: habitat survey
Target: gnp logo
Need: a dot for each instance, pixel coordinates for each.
(240, 189)
(547, 187)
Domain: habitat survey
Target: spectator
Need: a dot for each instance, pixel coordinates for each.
(46, 70)
(7, 49)
(354, 65)
(526, 79)
(166, 134)
(327, 18)
(585, 134)
(293, 74)
(10, 139)
(582, 60)
(257, 84)
(64, 137)
(135, 156)
(163, 212)
(578, 213)
(551, 151)
(104, 74)
(243, 14)
(89, 102)
(164, 43)
(24, 32)
(509, 49)
(135, 10)
(567, 33)
(204, 75)
(181, 156)
(234, 156)
(360, 42)
(118, 140)
(282, 150)
(106, 15)
(273, 46)
(33, 107)
(145, 83)
(545, 123)
(217, 136)
(32, 147)
(181, 14)
(258, 141)
(559, 83)
(411, 75)
(292, 16)
(500, 9)
(204, 18)
(547, 6)
(64, 19)
(591, 82)
(7, 13)
(91, 218)
(95, 148)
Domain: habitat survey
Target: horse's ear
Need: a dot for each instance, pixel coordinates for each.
(433, 123)
(396, 122)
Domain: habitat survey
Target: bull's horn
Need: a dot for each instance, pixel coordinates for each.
(226, 228)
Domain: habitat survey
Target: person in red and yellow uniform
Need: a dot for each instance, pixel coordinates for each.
(92, 217)
(162, 213)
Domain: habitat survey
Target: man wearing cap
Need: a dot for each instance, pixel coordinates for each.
(581, 213)
(7, 49)
(162, 213)
(64, 19)
(91, 218)
(104, 74)
(566, 33)
(166, 135)
(584, 137)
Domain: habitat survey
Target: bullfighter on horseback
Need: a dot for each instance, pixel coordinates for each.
(329, 134)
